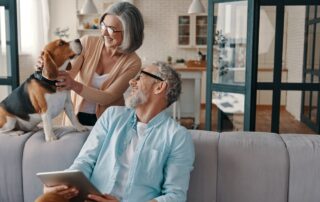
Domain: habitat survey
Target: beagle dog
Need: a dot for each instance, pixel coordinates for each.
(37, 99)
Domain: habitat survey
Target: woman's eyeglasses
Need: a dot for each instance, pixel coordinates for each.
(110, 30)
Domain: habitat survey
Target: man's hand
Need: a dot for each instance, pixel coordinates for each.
(105, 198)
(63, 190)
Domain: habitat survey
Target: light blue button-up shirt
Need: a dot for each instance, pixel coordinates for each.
(160, 168)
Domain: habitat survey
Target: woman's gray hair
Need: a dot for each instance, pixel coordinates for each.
(132, 23)
(167, 73)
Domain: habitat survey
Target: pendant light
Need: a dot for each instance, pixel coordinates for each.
(88, 7)
(196, 7)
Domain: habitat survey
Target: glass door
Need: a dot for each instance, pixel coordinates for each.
(310, 111)
(230, 59)
(9, 78)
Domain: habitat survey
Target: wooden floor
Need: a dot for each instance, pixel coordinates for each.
(288, 124)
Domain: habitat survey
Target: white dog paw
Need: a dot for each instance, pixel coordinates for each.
(81, 128)
(51, 138)
(15, 133)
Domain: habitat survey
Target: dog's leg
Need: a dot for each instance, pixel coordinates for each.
(71, 115)
(9, 126)
(7, 123)
(47, 127)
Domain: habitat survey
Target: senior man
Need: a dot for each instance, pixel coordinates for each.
(138, 153)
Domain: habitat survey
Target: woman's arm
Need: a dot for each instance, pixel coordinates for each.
(103, 97)
(114, 91)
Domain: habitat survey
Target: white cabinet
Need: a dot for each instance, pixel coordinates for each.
(192, 31)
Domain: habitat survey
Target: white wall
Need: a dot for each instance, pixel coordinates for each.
(294, 57)
(161, 29)
(160, 25)
(63, 15)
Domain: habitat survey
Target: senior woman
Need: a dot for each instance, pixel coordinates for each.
(101, 74)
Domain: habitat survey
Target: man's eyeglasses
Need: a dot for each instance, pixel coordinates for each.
(151, 75)
(110, 30)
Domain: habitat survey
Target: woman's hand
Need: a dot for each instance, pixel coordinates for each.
(63, 190)
(105, 198)
(65, 82)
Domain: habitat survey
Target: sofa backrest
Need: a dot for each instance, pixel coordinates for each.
(202, 186)
(255, 167)
(40, 156)
(233, 166)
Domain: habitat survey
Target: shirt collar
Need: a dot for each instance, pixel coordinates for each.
(158, 119)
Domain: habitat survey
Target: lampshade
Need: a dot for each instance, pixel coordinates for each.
(129, 1)
(196, 7)
(88, 7)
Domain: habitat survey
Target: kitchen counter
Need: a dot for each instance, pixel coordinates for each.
(184, 68)
(189, 104)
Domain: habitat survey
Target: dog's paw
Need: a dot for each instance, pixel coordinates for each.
(51, 138)
(15, 133)
(81, 128)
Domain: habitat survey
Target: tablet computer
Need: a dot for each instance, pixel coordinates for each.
(73, 178)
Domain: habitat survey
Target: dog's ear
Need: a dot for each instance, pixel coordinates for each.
(50, 69)
(69, 67)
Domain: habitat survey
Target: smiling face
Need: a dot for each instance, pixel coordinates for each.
(112, 31)
(142, 87)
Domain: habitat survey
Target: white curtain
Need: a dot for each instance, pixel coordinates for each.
(34, 26)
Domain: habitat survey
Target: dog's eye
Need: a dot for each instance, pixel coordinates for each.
(61, 43)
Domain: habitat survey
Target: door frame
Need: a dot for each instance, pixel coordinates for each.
(12, 44)
(248, 90)
(251, 83)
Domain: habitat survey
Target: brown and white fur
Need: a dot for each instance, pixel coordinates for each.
(37, 99)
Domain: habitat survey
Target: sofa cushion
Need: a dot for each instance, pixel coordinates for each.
(304, 154)
(252, 167)
(202, 186)
(11, 151)
(41, 156)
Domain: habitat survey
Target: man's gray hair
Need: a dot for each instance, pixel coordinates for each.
(167, 73)
(132, 23)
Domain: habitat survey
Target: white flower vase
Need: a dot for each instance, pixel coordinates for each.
(88, 7)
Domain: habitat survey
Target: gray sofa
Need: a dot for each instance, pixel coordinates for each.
(229, 167)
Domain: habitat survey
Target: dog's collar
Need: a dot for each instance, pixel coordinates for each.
(38, 75)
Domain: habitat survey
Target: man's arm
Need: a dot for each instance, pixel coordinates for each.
(177, 169)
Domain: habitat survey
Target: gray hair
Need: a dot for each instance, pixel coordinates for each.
(132, 23)
(167, 73)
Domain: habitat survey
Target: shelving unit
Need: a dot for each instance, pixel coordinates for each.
(88, 24)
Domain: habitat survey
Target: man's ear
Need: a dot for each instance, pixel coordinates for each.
(50, 69)
(160, 87)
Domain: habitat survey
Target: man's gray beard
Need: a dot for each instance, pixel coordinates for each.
(135, 100)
